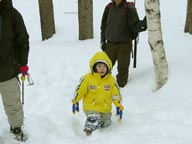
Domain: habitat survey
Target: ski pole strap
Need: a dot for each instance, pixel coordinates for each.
(29, 79)
(75, 107)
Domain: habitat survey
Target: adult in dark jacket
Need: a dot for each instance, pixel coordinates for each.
(118, 18)
(14, 49)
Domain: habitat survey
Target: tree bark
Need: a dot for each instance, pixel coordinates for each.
(155, 40)
(47, 18)
(188, 22)
(85, 15)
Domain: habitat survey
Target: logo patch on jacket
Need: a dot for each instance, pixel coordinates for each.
(92, 87)
(107, 87)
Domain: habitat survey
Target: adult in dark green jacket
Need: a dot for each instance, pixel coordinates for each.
(14, 49)
(118, 18)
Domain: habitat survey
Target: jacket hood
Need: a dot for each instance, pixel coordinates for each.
(6, 4)
(100, 57)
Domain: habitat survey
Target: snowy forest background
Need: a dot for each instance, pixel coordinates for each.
(162, 117)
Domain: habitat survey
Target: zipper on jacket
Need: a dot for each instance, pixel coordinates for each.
(105, 103)
(1, 22)
(93, 102)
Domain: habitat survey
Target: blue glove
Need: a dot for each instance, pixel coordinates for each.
(119, 112)
(75, 107)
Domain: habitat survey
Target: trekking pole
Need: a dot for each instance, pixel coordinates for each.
(136, 40)
(22, 84)
(30, 82)
(135, 53)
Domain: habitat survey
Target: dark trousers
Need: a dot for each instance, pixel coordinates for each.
(120, 52)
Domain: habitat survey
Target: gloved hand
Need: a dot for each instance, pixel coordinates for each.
(103, 46)
(74, 101)
(121, 107)
(144, 24)
(75, 106)
(24, 70)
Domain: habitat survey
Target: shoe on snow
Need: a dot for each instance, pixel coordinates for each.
(18, 134)
(88, 133)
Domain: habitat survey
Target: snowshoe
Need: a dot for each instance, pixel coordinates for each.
(19, 135)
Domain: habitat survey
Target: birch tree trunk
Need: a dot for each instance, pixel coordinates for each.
(155, 39)
(47, 18)
(85, 15)
(188, 22)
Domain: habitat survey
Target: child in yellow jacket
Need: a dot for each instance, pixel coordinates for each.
(98, 89)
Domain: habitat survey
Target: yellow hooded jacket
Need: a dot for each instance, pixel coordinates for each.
(98, 93)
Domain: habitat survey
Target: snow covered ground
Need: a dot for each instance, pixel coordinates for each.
(162, 117)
